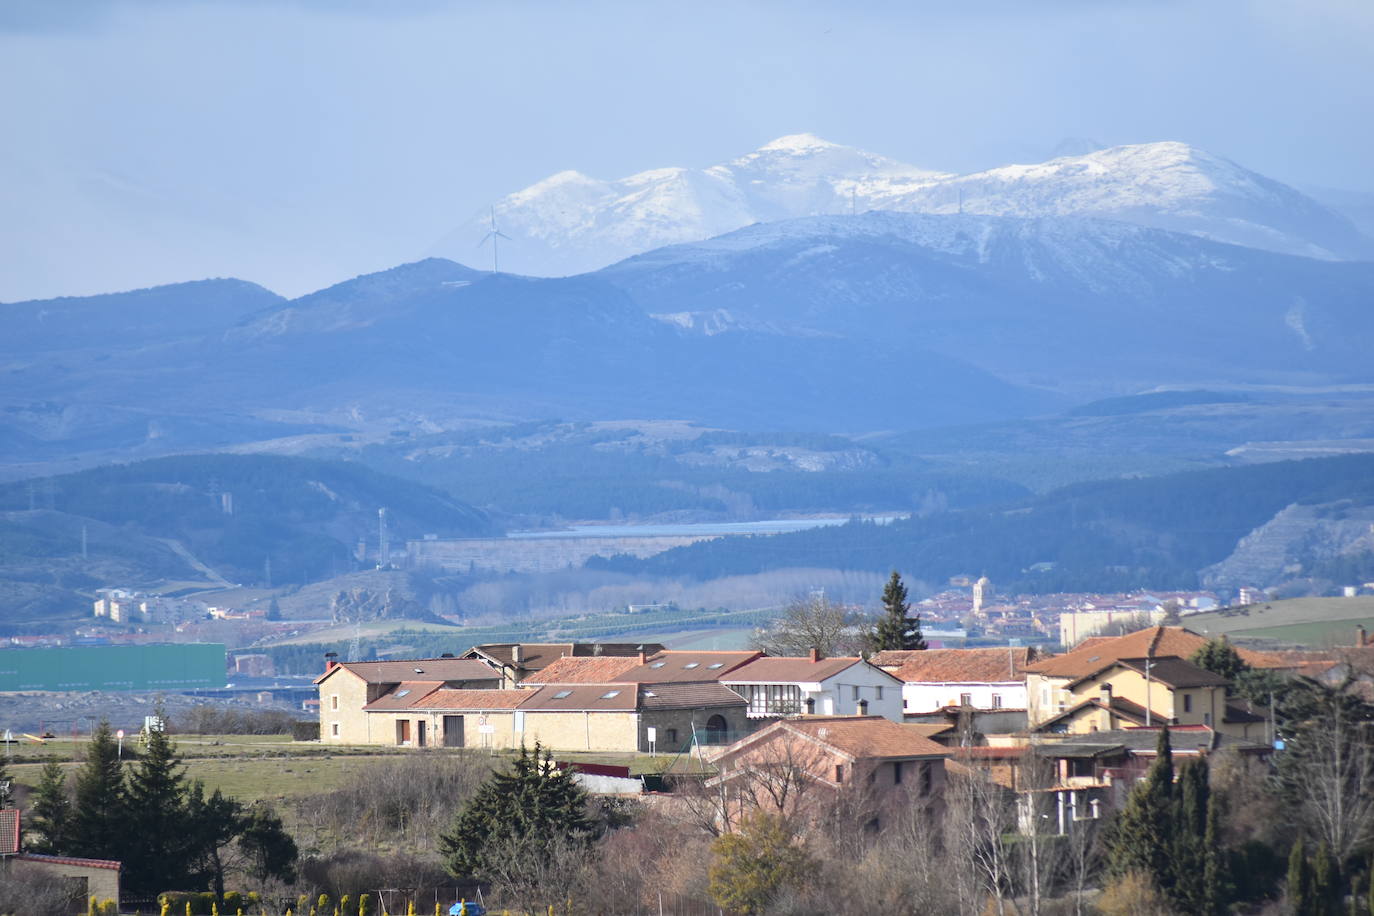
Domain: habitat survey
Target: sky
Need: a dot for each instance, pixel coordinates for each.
(297, 143)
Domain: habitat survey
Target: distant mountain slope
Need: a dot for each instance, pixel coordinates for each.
(1062, 303)
(145, 317)
(1156, 532)
(304, 516)
(571, 223)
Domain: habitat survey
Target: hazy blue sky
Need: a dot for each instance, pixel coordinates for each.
(298, 143)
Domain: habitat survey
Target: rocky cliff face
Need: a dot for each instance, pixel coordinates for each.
(1286, 546)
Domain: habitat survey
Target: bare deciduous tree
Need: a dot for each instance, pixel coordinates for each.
(813, 622)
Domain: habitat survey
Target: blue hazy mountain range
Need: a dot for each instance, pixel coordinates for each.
(878, 321)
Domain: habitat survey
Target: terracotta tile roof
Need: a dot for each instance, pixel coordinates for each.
(687, 696)
(537, 655)
(440, 669)
(788, 669)
(572, 670)
(68, 860)
(622, 697)
(928, 729)
(963, 666)
(1175, 672)
(478, 700)
(681, 667)
(865, 737)
(1097, 653)
(403, 696)
(9, 831)
(1121, 707)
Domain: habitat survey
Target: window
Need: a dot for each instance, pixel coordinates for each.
(856, 691)
(610, 694)
(773, 699)
(670, 736)
(927, 779)
(880, 692)
(334, 729)
(691, 665)
(334, 701)
(403, 693)
(562, 694)
(965, 699)
(839, 772)
(996, 701)
(658, 664)
(1187, 702)
(896, 772)
(715, 665)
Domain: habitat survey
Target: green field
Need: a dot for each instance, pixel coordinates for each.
(1314, 622)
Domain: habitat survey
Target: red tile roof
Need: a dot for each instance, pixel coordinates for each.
(9, 831)
(687, 696)
(477, 700)
(534, 656)
(623, 697)
(1152, 642)
(404, 696)
(439, 669)
(582, 671)
(958, 666)
(789, 669)
(69, 860)
(681, 667)
(864, 737)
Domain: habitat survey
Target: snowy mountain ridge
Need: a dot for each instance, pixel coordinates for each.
(571, 223)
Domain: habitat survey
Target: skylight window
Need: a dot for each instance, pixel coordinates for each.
(610, 694)
(562, 694)
(716, 665)
(692, 665)
(402, 693)
(658, 664)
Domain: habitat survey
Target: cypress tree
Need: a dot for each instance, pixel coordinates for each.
(100, 811)
(1141, 836)
(1326, 883)
(1299, 881)
(896, 628)
(156, 856)
(1216, 866)
(51, 812)
(1188, 862)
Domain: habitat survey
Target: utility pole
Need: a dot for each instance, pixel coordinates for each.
(1148, 665)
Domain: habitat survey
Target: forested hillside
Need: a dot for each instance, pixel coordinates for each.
(1150, 532)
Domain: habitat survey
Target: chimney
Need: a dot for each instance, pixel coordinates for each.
(517, 653)
(863, 708)
(1105, 692)
(643, 656)
(1361, 637)
(815, 654)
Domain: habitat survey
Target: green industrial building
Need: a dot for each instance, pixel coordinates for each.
(172, 667)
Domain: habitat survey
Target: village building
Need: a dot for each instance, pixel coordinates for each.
(933, 679)
(800, 765)
(519, 660)
(786, 686)
(85, 878)
(348, 688)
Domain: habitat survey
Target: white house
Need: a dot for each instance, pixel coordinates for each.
(932, 679)
(784, 686)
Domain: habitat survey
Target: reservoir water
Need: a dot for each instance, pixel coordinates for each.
(699, 529)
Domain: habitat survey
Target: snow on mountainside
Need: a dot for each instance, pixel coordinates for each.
(570, 222)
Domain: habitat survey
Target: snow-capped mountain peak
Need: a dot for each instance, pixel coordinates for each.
(571, 223)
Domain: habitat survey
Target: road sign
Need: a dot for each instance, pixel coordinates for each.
(486, 729)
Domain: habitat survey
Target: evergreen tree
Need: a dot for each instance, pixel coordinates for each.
(527, 811)
(896, 628)
(1216, 871)
(273, 609)
(268, 847)
(1299, 881)
(1220, 657)
(6, 786)
(211, 825)
(50, 815)
(156, 854)
(1141, 836)
(1326, 883)
(1188, 862)
(99, 818)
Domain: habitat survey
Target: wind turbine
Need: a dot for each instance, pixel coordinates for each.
(493, 235)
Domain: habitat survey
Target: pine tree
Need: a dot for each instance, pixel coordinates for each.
(526, 811)
(1220, 657)
(156, 854)
(896, 628)
(269, 849)
(1188, 861)
(1216, 870)
(50, 815)
(1141, 836)
(99, 817)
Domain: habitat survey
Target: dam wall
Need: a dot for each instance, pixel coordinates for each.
(536, 555)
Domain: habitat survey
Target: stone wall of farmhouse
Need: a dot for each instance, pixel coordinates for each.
(342, 720)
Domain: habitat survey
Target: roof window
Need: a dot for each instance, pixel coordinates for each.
(716, 665)
(692, 665)
(658, 664)
(403, 693)
(610, 694)
(562, 694)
